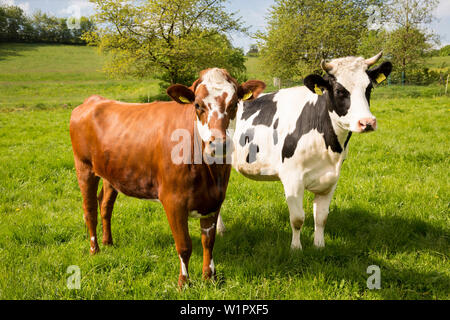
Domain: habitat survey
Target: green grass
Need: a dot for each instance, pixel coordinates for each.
(47, 76)
(437, 62)
(391, 209)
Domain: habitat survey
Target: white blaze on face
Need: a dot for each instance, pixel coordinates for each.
(350, 72)
(217, 83)
(204, 131)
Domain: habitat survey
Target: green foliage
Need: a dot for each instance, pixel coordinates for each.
(409, 43)
(167, 39)
(15, 26)
(12, 21)
(406, 47)
(417, 76)
(302, 33)
(445, 51)
(253, 51)
(372, 42)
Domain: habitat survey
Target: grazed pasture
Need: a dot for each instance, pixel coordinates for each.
(391, 207)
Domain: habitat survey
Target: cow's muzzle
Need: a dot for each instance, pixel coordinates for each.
(367, 124)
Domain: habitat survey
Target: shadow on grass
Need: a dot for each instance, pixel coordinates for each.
(358, 239)
(14, 49)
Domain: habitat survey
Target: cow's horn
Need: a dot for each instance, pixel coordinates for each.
(326, 66)
(374, 59)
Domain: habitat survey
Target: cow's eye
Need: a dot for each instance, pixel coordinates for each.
(197, 106)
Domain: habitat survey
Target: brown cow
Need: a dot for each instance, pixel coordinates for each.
(130, 146)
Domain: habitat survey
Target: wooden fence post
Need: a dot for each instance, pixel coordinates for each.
(446, 85)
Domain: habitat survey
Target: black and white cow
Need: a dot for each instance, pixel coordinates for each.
(300, 135)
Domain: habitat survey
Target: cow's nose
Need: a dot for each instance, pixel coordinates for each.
(367, 124)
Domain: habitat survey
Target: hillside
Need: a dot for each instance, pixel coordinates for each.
(43, 76)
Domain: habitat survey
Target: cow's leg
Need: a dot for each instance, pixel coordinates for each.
(88, 182)
(178, 221)
(208, 226)
(220, 225)
(106, 199)
(321, 208)
(293, 190)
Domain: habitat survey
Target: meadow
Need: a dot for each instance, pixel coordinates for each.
(390, 209)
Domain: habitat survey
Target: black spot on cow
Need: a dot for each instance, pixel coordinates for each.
(275, 132)
(275, 125)
(341, 102)
(253, 150)
(313, 116)
(247, 137)
(368, 92)
(266, 107)
(348, 139)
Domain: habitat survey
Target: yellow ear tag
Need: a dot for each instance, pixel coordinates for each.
(183, 99)
(318, 90)
(381, 77)
(247, 96)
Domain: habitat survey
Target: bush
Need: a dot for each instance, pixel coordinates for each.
(420, 76)
(445, 51)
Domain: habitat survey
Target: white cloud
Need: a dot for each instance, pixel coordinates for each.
(443, 9)
(7, 2)
(84, 7)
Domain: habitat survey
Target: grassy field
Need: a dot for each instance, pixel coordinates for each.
(47, 76)
(391, 207)
(438, 62)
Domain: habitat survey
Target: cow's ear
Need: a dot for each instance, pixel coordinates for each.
(316, 84)
(380, 73)
(250, 90)
(181, 94)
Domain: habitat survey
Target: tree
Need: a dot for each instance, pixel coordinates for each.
(169, 39)
(16, 26)
(372, 42)
(445, 51)
(410, 39)
(301, 33)
(253, 51)
(12, 20)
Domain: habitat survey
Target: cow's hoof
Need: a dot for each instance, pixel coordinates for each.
(107, 242)
(183, 281)
(94, 250)
(209, 275)
(296, 246)
(319, 244)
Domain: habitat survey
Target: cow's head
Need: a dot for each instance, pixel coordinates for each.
(348, 83)
(215, 96)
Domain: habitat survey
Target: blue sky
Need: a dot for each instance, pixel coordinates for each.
(253, 13)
